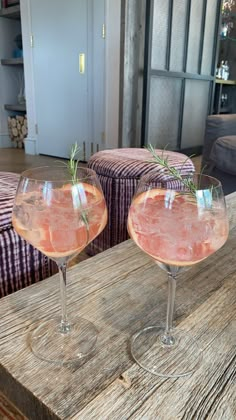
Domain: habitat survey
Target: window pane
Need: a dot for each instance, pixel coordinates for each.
(163, 121)
(209, 37)
(195, 112)
(178, 35)
(159, 34)
(194, 35)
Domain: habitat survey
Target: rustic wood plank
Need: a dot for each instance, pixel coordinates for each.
(122, 290)
(202, 393)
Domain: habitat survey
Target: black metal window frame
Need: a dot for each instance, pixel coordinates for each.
(149, 72)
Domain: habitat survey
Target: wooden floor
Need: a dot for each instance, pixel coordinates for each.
(197, 163)
(15, 160)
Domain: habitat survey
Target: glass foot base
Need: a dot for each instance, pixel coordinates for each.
(48, 342)
(170, 361)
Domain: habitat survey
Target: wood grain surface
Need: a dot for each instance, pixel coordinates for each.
(120, 291)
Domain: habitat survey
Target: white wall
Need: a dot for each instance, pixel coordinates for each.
(9, 87)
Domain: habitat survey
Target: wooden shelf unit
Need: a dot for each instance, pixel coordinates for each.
(228, 88)
(16, 107)
(12, 62)
(12, 12)
(225, 82)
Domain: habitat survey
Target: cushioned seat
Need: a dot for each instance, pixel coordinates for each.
(219, 160)
(223, 154)
(119, 171)
(20, 263)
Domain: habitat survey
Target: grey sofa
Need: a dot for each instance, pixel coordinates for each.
(219, 150)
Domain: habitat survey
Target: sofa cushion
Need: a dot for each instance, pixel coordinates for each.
(223, 154)
(217, 126)
(20, 263)
(8, 185)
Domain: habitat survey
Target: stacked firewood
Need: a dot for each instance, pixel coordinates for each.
(18, 130)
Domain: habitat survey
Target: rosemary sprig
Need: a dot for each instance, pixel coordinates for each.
(162, 161)
(73, 163)
(72, 167)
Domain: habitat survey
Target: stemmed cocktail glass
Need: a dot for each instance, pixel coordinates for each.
(59, 215)
(178, 227)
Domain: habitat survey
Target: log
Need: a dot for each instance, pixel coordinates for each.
(20, 119)
(17, 127)
(13, 122)
(14, 132)
(24, 130)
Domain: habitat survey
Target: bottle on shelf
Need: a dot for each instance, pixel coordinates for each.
(224, 30)
(225, 72)
(224, 100)
(218, 73)
(220, 70)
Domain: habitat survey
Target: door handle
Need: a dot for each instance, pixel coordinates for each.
(82, 63)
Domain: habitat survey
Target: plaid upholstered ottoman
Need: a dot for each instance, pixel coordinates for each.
(119, 171)
(20, 263)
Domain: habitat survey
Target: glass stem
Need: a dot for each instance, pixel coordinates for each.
(64, 324)
(167, 338)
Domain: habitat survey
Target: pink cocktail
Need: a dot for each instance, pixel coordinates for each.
(60, 214)
(54, 220)
(178, 228)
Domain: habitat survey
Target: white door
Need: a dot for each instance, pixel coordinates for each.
(65, 93)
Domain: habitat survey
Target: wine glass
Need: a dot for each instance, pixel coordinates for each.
(177, 226)
(59, 215)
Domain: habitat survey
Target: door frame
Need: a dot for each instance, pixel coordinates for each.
(112, 74)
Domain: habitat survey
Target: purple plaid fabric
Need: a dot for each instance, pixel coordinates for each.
(20, 263)
(119, 171)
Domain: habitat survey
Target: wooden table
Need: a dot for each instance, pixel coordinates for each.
(122, 290)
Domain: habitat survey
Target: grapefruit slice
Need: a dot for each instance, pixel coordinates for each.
(58, 242)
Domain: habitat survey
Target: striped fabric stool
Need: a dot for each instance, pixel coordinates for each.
(119, 171)
(20, 263)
